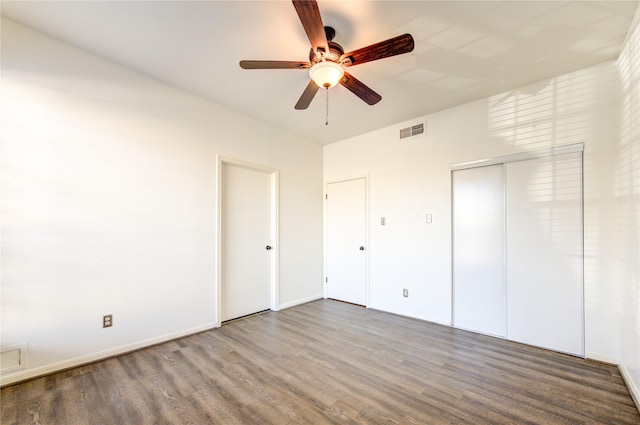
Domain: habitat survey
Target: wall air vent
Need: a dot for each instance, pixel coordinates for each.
(413, 131)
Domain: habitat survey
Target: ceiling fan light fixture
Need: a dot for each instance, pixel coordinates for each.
(326, 73)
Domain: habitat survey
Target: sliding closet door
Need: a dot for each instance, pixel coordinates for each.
(478, 250)
(545, 252)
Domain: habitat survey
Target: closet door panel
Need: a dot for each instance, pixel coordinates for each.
(544, 251)
(478, 250)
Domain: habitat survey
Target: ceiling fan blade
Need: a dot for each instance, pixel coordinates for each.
(309, 15)
(391, 47)
(307, 95)
(274, 65)
(360, 89)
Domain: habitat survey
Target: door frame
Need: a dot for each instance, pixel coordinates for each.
(274, 277)
(366, 232)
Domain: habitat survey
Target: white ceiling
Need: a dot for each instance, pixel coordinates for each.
(464, 50)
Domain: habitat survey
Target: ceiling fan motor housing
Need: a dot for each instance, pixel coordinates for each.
(333, 55)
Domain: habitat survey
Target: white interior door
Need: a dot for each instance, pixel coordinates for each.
(479, 287)
(545, 252)
(245, 236)
(346, 259)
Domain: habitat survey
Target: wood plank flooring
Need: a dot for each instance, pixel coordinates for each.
(328, 362)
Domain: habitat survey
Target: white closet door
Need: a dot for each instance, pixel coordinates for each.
(346, 232)
(545, 252)
(478, 250)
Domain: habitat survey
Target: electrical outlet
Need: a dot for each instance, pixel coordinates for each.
(405, 293)
(107, 321)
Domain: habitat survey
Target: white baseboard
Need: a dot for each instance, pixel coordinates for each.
(436, 320)
(424, 318)
(301, 301)
(602, 358)
(101, 355)
(23, 375)
(631, 385)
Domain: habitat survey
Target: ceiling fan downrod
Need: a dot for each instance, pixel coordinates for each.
(326, 116)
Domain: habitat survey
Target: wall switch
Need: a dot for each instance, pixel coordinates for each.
(13, 358)
(429, 218)
(405, 293)
(107, 321)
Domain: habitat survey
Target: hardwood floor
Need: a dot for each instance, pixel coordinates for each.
(328, 362)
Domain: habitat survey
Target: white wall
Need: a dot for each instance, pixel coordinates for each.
(627, 220)
(109, 204)
(412, 178)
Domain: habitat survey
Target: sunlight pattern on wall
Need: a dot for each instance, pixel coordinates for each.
(580, 107)
(627, 192)
(553, 190)
(549, 113)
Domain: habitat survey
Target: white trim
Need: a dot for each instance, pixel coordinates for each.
(275, 237)
(422, 318)
(218, 282)
(301, 301)
(275, 219)
(367, 239)
(601, 358)
(582, 253)
(520, 156)
(101, 355)
(631, 385)
(452, 299)
(366, 236)
(475, 331)
(245, 164)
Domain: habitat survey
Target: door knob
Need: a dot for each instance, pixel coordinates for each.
(362, 248)
(268, 247)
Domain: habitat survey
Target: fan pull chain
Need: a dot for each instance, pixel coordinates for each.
(326, 117)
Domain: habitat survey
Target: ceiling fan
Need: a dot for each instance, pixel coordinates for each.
(327, 59)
